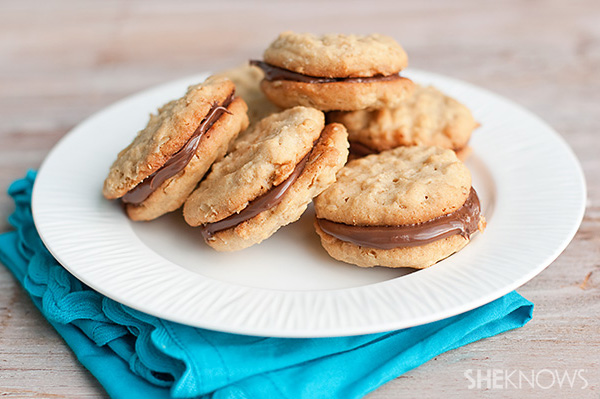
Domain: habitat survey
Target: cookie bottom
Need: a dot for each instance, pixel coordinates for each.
(419, 257)
(341, 96)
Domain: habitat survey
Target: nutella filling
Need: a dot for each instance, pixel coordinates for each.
(275, 73)
(258, 205)
(360, 150)
(463, 221)
(179, 160)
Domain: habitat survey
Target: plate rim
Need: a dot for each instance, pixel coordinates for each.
(297, 332)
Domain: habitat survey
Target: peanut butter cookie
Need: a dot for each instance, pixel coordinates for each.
(407, 207)
(268, 179)
(247, 80)
(334, 72)
(427, 117)
(162, 166)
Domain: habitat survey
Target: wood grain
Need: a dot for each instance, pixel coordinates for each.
(61, 61)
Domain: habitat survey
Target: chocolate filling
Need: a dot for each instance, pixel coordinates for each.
(360, 150)
(179, 160)
(258, 205)
(463, 221)
(275, 73)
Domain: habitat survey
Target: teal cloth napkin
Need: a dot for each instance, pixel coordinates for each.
(135, 355)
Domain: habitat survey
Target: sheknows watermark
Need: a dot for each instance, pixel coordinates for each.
(520, 379)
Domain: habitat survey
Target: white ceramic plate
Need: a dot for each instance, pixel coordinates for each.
(531, 187)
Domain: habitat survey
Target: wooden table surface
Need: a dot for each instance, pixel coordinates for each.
(61, 61)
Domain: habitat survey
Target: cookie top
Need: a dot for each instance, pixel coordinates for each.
(166, 132)
(262, 158)
(247, 86)
(402, 186)
(427, 117)
(336, 55)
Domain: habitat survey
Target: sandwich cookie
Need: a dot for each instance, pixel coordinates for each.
(427, 117)
(156, 173)
(268, 179)
(335, 71)
(407, 207)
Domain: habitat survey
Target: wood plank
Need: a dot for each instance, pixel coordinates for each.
(61, 61)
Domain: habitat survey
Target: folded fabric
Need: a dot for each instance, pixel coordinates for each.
(134, 354)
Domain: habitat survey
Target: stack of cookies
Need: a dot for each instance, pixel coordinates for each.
(247, 150)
